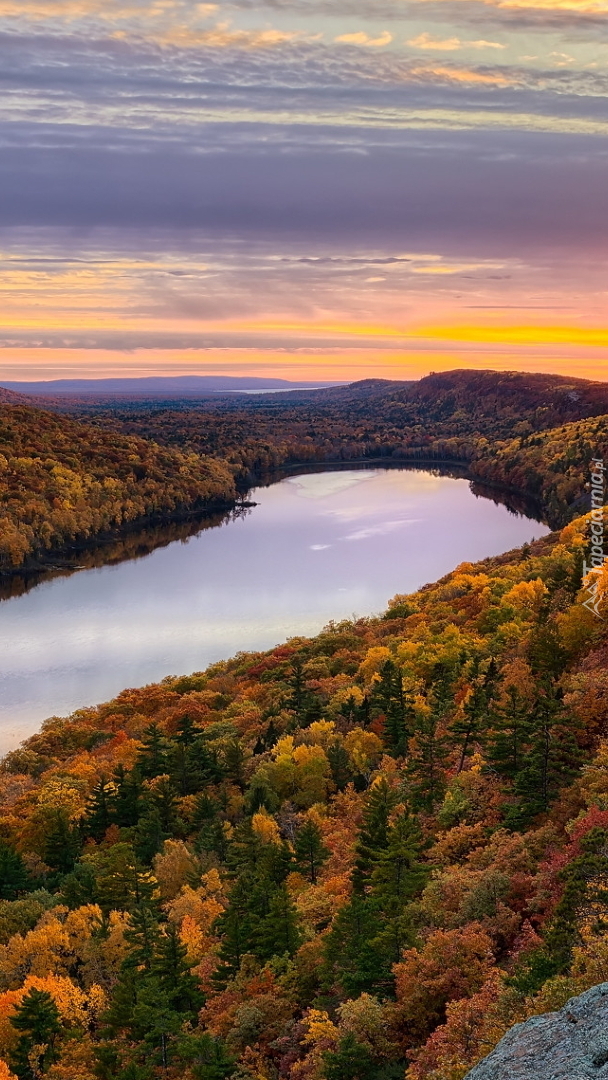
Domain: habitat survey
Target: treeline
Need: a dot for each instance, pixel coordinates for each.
(504, 426)
(360, 856)
(63, 482)
(66, 480)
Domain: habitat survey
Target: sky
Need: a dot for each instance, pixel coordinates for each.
(305, 189)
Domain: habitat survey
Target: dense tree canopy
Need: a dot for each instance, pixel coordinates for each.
(360, 855)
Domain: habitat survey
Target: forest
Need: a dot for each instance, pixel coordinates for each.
(360, 856)
(63, 481)
(69, 480)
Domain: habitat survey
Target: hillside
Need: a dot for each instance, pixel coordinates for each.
(70, 479)
(63, 482)
(361, 856)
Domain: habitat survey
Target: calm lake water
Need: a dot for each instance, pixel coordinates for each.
(318, 546)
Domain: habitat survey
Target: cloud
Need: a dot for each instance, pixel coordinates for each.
(425, 41)
(361, 38)
(465, 75)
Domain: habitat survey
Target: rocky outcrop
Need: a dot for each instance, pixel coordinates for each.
(571, 1044)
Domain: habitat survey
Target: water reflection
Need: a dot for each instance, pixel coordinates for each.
(319, 545)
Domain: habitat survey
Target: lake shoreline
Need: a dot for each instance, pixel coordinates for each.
(63, 560)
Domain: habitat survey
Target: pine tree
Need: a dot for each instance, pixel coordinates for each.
(552, 757)
(279, 932)
(351, 959)
(339, 763)
(37, 1019)
(351, 1060)
(470, 726)
(172, 971)
(236, 926)
(389, 698)
(426, 761)
(62, 843)
(100, 809)
(399, 874)
(142, 935)
(373, 838)
(153, 756)
(127, 800)
(310, 851)
(510, 728)
(14, 878)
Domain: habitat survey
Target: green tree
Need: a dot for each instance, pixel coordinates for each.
(14, 878)
(310, 851)
(36, 1018)
(351, 1060)
(171, 969)
(279, 934)
(100, 809)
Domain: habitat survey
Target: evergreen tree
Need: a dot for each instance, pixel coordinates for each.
(62, 843)
(351, 1060)
(470, 726)
(399, 874)
(37, 1020)
(552, 758)
(310, 851)
(127, 799)
(510, 728)
(390, 700)
(279, 934)
(339, 763)
(426, 761)
(350, 957)
(100, 809)
(373, 838)
(14, 878)
(171, 969)
(153, 756)
(142, 935)
(236, 926)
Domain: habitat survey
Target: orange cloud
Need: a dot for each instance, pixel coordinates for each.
(463, 75)
(361, 38)
(425, 41)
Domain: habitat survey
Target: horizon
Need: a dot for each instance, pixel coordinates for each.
(320, 193)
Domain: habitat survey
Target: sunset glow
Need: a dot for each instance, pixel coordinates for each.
(329, 193)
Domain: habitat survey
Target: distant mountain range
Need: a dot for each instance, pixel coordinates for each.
(181, 385)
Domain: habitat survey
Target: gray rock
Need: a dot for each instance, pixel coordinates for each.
(571, 1044)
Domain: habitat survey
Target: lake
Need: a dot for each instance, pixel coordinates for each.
(319, 545)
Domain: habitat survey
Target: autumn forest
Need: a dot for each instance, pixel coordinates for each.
(363, 855)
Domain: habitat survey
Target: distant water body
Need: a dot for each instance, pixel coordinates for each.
(318, 546)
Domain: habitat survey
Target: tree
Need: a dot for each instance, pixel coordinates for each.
(171, 969)
(153, 756)
(37, 1020)
(61, 843)
(352, 1060)
(389, 697)
(373, 838)
(552, 757)
(14, 878)
(310, 851)
(127, 798)
(279, 934)
(100, 809)
(143, 936)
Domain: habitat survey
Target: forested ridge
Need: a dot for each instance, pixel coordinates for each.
(67, 479)
(536, 434)
(62, 481)
(361, 856)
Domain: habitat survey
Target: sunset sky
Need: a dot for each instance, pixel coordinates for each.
(310, 189)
